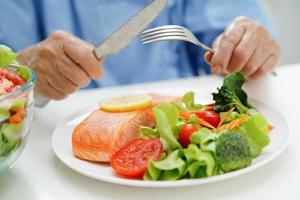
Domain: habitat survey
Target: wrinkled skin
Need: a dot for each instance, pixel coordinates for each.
(244, 46)
(63, 63)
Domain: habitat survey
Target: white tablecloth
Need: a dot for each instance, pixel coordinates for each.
(39, 175)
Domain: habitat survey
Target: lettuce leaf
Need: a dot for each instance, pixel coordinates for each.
(147, 132)
(256, 129)
(24, 72)
(165, 117)
(7, 56)
(12, 132)
(200, 163)
(170, 168)
(189, 101)
(205, 138)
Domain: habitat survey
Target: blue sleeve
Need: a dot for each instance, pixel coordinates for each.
(19, 25)
(208, 18)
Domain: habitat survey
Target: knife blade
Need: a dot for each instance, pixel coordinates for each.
(126, 33)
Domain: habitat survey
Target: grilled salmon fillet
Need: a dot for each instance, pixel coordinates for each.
(103, 133)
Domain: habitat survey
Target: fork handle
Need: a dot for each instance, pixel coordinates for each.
(203, 46)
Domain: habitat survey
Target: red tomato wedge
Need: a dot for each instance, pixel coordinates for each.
(185, 133)
(132, 159)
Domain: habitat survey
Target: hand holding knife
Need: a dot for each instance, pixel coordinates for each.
(123, 36)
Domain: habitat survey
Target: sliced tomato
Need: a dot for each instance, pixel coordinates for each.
(132, 159)
(16, 79)
(185, 133)
(210, 116)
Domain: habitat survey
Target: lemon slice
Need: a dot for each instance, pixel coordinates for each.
(126, 103)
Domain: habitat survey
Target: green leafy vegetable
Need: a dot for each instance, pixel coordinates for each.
(200, 163)
(18, 104)
(152, 173)
(256, 129)
(233, 151)
(205, 138)
(7, 56)
(189, 101)
(147, 132)
(232, 95)
(8, 147)
(164, 120)
(170, 168)
(24, 72)
(11, 132)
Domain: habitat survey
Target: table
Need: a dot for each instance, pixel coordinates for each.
(39, 175)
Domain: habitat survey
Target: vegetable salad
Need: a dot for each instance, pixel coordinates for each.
(12, 106)
(198, 140)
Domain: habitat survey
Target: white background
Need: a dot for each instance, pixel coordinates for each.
(285, 16)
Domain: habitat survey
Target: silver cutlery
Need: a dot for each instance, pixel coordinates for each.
(125, 34)
(174, 32)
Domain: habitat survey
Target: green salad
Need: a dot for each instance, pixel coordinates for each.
(12, 106)
(228, 145)
(192, 140)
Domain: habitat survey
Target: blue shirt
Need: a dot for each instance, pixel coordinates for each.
(26, 22)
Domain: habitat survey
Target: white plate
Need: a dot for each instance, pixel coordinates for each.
(61, 143)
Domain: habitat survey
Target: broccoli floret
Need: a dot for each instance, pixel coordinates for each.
(233, 151)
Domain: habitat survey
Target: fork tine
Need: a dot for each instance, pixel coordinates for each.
(158, 32)
(150, 37)
(162, 28)
(164, 39)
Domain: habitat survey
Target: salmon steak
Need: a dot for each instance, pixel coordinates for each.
(103, 133)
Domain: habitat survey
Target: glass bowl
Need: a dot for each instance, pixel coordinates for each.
(14, 132)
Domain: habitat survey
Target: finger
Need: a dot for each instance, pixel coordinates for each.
(82, 53)
(55, 79)
(260, 55)
(45, 89)
(216, 42)
(242, 52)
(266, 68)
(73, 72)
(226, 46)
(208, 56)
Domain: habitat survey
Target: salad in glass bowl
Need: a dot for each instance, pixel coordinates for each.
(16, 106)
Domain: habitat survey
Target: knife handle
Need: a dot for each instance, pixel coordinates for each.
(41, 101)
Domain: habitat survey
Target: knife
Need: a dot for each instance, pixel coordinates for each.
(122, 37)
(126, 33)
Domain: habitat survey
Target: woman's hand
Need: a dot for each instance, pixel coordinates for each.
(63, 63)
(244, 46)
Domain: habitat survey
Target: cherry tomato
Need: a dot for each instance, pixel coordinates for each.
(210, 116)
(16, 79)
(185, 133)
(132, 159)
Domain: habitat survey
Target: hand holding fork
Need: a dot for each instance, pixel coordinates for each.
(244, 46)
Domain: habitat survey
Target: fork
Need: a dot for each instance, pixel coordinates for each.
(174, 32)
